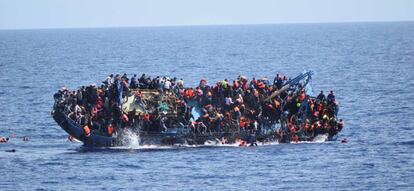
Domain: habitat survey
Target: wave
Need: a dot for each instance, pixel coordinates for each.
(134, 145)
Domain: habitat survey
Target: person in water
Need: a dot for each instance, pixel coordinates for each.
(4, 139)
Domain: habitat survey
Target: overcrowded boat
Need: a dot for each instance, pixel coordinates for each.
(162, 111)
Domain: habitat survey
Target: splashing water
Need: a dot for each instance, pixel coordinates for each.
(130, 139)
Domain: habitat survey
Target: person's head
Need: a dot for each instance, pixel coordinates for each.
(331, 92)
(321, 91)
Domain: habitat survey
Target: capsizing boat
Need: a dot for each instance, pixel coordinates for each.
(161, 111)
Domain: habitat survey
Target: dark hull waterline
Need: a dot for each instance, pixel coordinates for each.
(95, 140)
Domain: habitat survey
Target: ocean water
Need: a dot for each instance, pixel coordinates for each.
(370, 67)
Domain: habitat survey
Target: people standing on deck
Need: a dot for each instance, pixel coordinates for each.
(167, 85)
(331, 97)
(134, 82)
(321, 96)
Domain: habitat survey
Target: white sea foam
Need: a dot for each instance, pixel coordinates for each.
(130, 139)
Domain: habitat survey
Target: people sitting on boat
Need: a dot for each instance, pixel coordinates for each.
(239, 106)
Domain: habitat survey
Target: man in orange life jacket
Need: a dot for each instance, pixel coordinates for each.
(110, 129)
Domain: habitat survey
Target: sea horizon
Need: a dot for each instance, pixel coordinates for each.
(211, 25)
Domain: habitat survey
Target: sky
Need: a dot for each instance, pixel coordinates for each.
(29, 14)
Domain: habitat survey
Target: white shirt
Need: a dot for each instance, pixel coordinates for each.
(229, 101)
(109, 80)
(167, 85)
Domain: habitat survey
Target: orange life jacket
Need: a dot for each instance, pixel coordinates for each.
(302, 96)
(94, 112)
(146, 117)
(189, 93)
(261, 85)
(87, 131)
(241, 122)
(244, 121)
(110, 129)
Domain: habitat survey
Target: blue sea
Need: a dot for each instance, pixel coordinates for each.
(369, 66)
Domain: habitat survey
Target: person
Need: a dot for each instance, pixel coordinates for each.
(4, 139)
(139, 98)
(180, 83)
(321, 96)
(146, 122)
(25, 138)
(70, 138)
(142, 81)
(331, 97)
(242, 143)
(110, 129)
(108, 80)
(134, 83)
(86, 130)
(229, 102)
(252, 140)
(167, 85)
(340, 124)
(295, 138)
(125, 77)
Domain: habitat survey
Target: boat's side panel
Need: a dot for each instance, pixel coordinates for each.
(75, 130)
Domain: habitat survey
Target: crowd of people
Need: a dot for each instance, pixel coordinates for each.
(239, 105)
